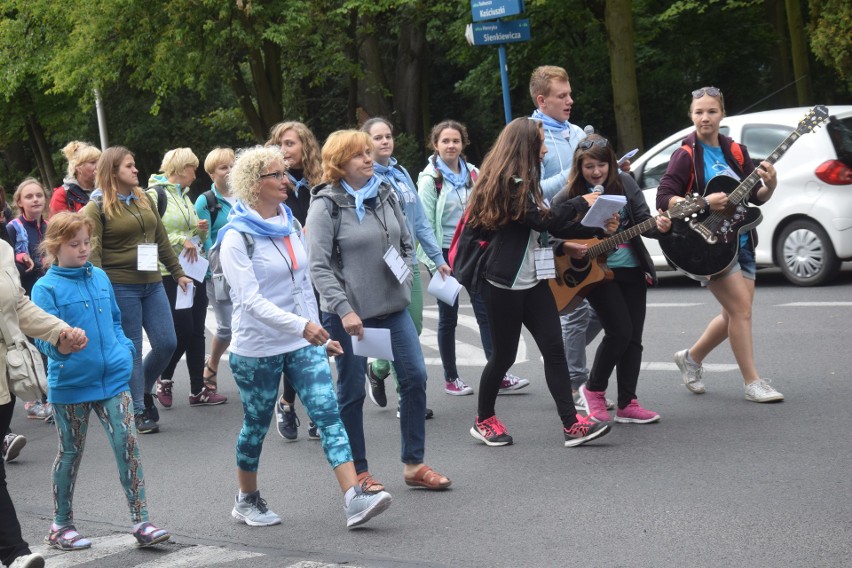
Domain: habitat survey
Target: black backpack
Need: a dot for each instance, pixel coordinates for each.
(213, 206)
(162, 198)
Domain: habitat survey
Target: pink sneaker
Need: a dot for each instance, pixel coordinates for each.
(635, 414)
(457, 388)
(596, 404)
(164, 393)
(207, 398)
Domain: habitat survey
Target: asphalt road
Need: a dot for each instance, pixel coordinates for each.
(720, 481)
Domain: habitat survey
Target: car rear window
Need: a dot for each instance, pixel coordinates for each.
(762, 139)
(840, 132)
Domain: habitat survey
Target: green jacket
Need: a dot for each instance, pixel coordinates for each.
(180, 218)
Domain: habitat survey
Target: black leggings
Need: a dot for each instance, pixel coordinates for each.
(189, 329)
(535, 308)
(12, 544)
(620, 305)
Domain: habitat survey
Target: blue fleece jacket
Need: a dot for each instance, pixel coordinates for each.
(560, 155)
(84, 298)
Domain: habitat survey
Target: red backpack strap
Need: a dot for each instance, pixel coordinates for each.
(737, 152)
(688, 149)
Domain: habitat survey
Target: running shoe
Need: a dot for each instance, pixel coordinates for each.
(145, 424)
(376, 388)
(364, 506)
(252, 510)
(12, 446)
(313, 432)
(457, 387)
(595, 403)
(207, 397)
(584, 430)
(635, 414)
(38, 410)
(288, 422)
(761, 391)
(33, 560)
(164, 393)
(689, 372)
(491, 431)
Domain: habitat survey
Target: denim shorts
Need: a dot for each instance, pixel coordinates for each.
(745, 264)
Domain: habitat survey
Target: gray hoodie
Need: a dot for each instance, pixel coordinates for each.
(357, 279)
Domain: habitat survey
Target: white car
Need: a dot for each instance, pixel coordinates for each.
(807, 225)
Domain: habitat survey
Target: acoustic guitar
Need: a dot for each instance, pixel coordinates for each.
(708, 245)
(576, 277)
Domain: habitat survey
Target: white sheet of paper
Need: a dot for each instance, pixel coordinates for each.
(445, 290)
(183, 299)
(604, 208)
(196, 270)
(628, 155)
(376, 343)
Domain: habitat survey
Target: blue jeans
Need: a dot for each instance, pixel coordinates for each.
(579, 328)
(411, 374)
(448, 318)
(146, 305)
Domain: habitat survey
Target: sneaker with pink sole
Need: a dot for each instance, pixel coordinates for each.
(596, 404)
(635, 414)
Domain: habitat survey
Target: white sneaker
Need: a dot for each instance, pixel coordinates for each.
(253, 511)
(33, 560)
(365, 506)
(12, 445)
(691, 374)
(761, 391)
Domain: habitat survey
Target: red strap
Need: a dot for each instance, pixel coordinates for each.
(290, 252)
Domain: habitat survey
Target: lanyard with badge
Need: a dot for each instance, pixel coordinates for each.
(545, 267)
(298, 296)
(147, 253)
(392, 258)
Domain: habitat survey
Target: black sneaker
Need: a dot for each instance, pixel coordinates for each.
(429, 413)
(288, 422)
(145, 424)
(151, 408)
(584, 430)
(313, 434)
(376, 388)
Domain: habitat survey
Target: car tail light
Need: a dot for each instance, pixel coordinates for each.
(834, 172)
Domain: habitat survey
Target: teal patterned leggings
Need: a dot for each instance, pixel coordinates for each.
(308, 371)
(72, 423)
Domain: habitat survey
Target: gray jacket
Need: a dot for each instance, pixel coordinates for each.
(348, 270)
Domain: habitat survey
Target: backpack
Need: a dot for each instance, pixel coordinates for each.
(221, 289)
(736, 151)
(162, 198)
(210, 196)
(467, 254)
(73, 198)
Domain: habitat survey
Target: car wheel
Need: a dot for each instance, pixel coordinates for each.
(805, 254)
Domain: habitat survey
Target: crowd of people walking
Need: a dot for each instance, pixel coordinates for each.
(311, 247)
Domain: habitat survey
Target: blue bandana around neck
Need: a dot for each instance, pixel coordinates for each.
(390, 172)
(246, 220)
(549, 122)
(455, 179)
(370, 189)
(126, 198)
(297, 184)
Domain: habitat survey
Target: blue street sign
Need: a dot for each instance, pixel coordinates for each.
(494, 33)
(493, 9)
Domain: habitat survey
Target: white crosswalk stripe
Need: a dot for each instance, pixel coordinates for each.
(193, 556)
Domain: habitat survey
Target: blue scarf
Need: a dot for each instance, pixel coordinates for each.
(391, 173)
(126, 199)
(550, 123)
(370, 189)
(297, 184)
(246, 220)
(455, 179)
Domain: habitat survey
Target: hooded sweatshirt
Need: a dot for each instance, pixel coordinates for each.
(180, 218)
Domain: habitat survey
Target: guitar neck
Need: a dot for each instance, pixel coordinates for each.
(611, 243)
(743, 191)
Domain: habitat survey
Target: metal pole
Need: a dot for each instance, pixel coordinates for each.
(102, 128)
(504, 79)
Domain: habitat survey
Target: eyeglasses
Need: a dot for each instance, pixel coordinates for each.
(277, 175)
(585, 144)
(711, 91)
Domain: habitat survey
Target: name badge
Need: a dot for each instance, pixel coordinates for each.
(545, 267)
(397, 264)
(146, 257)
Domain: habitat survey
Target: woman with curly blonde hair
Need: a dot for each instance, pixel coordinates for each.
(79, 181)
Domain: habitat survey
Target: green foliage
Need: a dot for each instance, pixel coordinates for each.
(831, 35)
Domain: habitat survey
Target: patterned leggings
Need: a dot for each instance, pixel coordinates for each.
(72, 422)
(308, 371)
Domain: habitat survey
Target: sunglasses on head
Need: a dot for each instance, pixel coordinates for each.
(711, 91)
(585, 144)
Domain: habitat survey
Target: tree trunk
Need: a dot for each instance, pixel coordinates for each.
(374, 87)
(42, 152)
(799, 51)
(352, 57)
(622, 58)
(241, 90)
(781, 70)
(411, 90)
(266, 75)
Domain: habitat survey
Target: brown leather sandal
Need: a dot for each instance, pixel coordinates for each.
(369, 484)
(427, 478)
(210, 382)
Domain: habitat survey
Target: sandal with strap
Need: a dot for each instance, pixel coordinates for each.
(148, 535)
(427, 478)
(210, 382)
(369, 484)
(67, 538)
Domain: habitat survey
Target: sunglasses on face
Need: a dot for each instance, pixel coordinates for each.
(711, 91)
(586, 143)
(277, 175)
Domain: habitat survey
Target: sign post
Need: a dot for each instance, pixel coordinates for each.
(498, 33)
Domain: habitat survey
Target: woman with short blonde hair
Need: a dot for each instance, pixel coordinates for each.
(79, 181)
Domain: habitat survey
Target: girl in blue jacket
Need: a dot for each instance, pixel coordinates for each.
(94, 379)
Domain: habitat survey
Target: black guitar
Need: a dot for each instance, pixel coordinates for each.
(708, 244)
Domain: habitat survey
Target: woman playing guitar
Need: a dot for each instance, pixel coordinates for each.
(620, 302)
(714, 154)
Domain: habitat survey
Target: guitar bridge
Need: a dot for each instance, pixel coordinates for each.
(706, 233)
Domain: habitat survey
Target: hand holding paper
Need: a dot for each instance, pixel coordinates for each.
(603, 209)
(447, 290)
